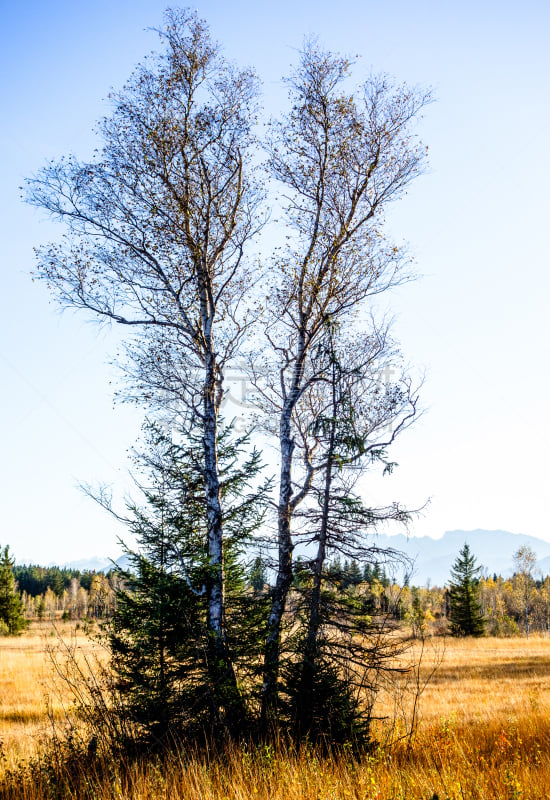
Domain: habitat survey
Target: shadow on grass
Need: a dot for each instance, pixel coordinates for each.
(536, 666)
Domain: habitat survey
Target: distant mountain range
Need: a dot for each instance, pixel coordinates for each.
(433, 558)
(494, 550)
(97, 564)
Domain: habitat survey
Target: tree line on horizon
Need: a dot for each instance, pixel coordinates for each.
(494, 605)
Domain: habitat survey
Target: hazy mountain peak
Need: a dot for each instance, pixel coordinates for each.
(433, 558)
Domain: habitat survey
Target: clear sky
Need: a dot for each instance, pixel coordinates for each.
(477, 223)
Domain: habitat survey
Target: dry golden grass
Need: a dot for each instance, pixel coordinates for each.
(487, 677)
(26, 687)
(484, 734)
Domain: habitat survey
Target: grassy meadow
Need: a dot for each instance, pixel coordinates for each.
(29, 696)
(483, 732)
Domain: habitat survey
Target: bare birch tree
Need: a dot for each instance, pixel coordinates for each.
(525, 560)
(339, 159)
(345, 421)
(157, 224)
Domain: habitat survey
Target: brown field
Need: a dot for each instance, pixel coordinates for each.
(28, 696)
(483, 734)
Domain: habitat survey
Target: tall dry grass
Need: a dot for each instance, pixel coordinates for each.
(483, 734)
(28, 701)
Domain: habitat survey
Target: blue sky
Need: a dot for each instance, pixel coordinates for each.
(477, 224)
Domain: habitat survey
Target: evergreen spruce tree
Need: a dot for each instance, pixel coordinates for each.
(417, 616)
(158, 636)
(257, 575)
(465, 611)
(367, 573)
(158, 622)
(12, 619)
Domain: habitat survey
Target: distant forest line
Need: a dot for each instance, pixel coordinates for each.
(60, 592)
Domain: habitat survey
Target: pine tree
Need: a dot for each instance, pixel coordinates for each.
(12, 618)
(257, 575)
(158, 636)
(417, 616)
(465, 611)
